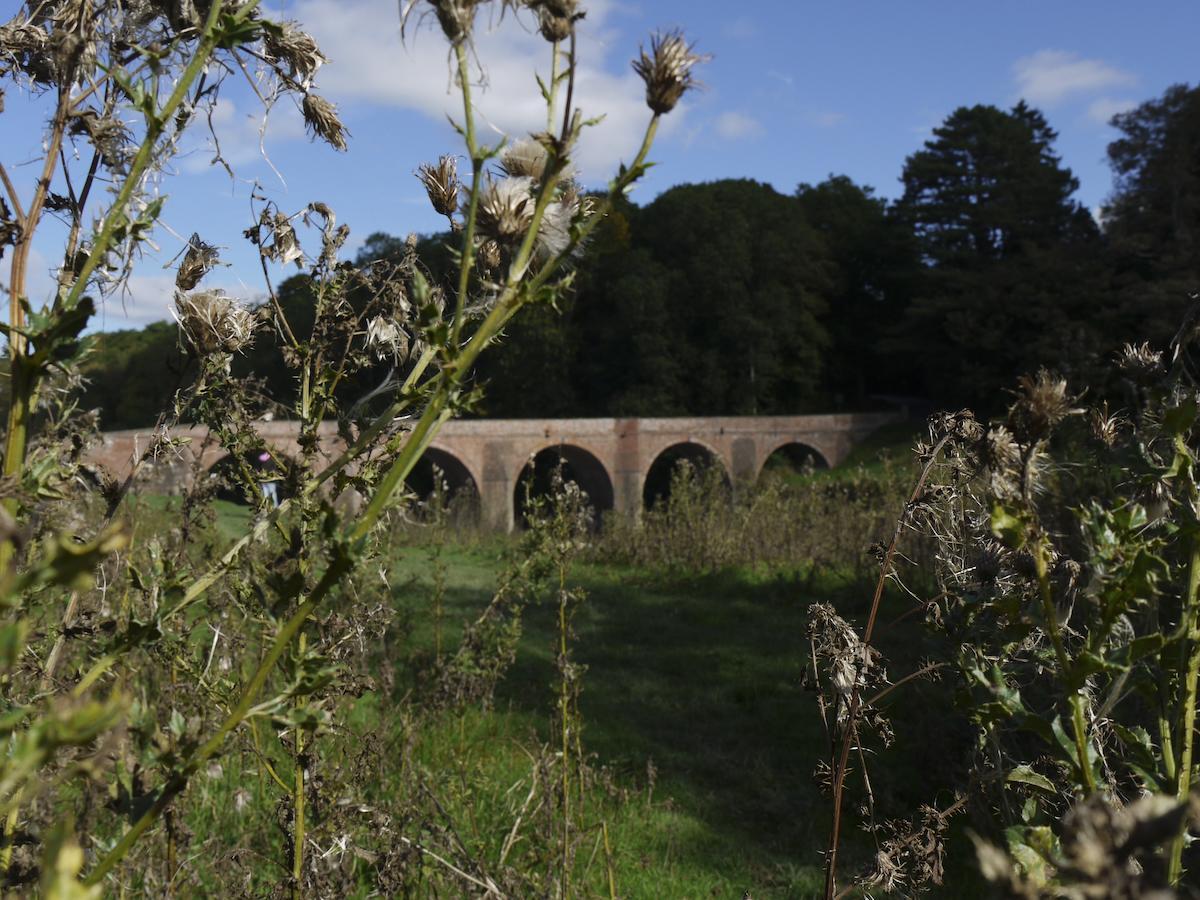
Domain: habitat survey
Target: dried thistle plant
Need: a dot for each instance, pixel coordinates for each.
(197, 262)
(213, 322)
(286, 43)
(667, 70)
(506, 208)
(294, 608)
(442, 185)
(525, 158)
(321, 118)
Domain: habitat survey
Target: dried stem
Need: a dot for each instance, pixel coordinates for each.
(844, 742)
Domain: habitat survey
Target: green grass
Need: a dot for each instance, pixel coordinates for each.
(696, 678)
(701, 677)
(889, 444)
(232, 519)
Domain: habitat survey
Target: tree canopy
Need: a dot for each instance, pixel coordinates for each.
(732, 298)
(1153, 214)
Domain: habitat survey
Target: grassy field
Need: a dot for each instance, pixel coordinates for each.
(702, 737)
(700, 681)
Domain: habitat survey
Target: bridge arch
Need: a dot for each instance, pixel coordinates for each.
(656, 485)
(579, 465)
(273, 470)
(459, 484)
(796, 455)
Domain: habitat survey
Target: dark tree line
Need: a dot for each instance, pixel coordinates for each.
(731, 298)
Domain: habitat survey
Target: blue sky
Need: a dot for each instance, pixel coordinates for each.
(795, 91)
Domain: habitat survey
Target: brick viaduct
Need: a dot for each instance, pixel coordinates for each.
(610, 458)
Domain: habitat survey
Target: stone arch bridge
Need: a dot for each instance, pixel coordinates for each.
(614, 460)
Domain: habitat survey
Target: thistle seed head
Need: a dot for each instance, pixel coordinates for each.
(107, 134)
(1140, 363)
(213, 322)
(284, 248)
(456, 17)
(385, 338)
(667, 70)
(197, 262)
(286, 43)
(488, 256)
(1106, 427)
(25, 47)
(321, 118)
(441, 184)
(554, 231)
(1042, 402)
(1000, 458)
(556, 18)
(525, 158)
(506, 209)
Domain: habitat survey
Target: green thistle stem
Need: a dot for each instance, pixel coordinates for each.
(1187, 710)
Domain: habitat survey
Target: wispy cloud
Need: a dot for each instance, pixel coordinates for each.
(369, 63)
(828, 119)
(1051, 76)
(1104, 108)
(242, 136)
(734, 125)
(742, 28)
(147, 298)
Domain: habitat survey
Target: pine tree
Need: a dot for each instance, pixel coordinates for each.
(1010, 257)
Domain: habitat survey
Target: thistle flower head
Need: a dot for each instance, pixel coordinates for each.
(286, 43)
(321, 118)
(505, 209)
(197, 262)
(441, 184)
(213, 322)
(667, 70)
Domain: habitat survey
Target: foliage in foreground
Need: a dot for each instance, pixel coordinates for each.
(133, 663)
(1068, 588)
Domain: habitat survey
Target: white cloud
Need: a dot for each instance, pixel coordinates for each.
(1104, 108)
(143, 299)
(149, 298)
(368, 62)
(1050, 76)
(735, 125)
(242, 136)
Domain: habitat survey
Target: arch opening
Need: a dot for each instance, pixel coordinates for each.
(698, 464)
(442, 484)
(793, 460)
(268, 468)
(577, 465)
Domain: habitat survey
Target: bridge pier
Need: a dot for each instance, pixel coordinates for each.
(498, 488)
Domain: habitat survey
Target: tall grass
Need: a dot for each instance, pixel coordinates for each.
(808, 526)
